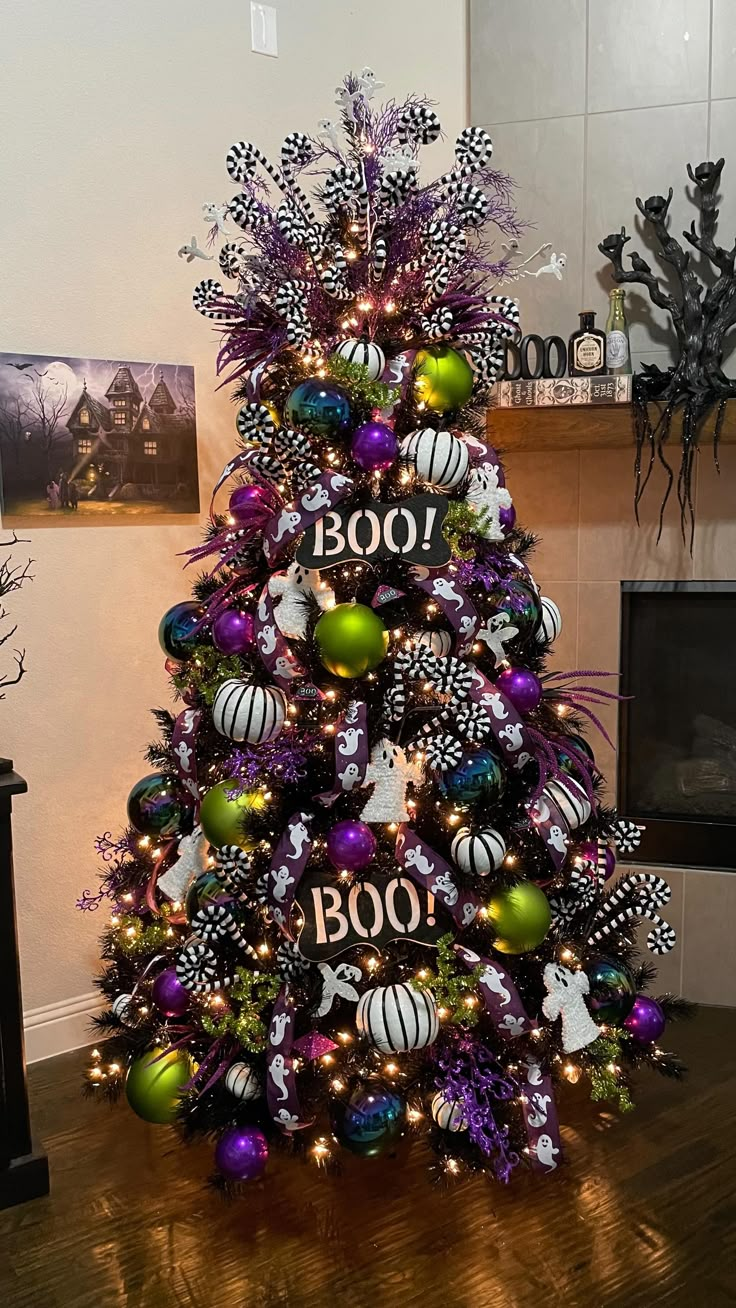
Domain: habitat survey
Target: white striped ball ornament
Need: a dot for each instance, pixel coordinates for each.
(478, 852)
(397, 1018)
(367, 353)
(121, 1007)
(448, 1113)
(438, 457)
(439, 642)
(550, 623)
(242, 711)
(571, 800)
(243, 1081)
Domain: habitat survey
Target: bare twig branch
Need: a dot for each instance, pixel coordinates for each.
(20, 672)
(612, 247)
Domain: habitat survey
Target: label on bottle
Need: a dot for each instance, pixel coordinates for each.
(617, 349)
(588, 351)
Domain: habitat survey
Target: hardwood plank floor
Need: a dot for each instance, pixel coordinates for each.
(643, 1213)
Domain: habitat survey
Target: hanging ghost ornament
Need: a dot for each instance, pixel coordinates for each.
(391, 773)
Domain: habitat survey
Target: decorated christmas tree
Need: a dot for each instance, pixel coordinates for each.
(366, 888)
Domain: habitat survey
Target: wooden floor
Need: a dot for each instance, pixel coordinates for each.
(644, 1213)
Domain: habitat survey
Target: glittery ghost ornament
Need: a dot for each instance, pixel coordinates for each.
(390, 773)
(294, 587)
(565, 999)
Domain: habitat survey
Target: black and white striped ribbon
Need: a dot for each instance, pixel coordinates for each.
(291, 447)
(255, 424)
(473, 723)
(487, 362)
(333, 276)
(210, 300)
(197, 969)
(646, 886)
(471, 203)
(396, 186)
(396, 700)
(216, 922)
(231, 258)
(473, 146)
(233, 868)
(266, 466)
(660, 941)
(246, 212)
(626, 836)
(438, 324)
(304, 474)
(442, 751)
(418, 125)
(379, 255)
(242, 160)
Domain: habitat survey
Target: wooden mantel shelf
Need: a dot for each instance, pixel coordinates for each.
(578, 427)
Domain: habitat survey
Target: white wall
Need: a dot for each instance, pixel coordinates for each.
(116, 119)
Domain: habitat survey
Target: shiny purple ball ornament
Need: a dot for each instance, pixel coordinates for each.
(250, 506)
(350, 845)
(646, 1021)
(374, 446)
(169, 995)
(589, 851)
(233, 632)
(522, 687)
(507, 518)
(242, 1153)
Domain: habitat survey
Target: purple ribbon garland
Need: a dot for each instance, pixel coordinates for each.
(426, 868)
(508, 728)
(294, 518)
(551, 825)
(287, 868)
(281, 1092)
(184, 749)
(442, 586)
(351, 752)
(506, 1010)
(275, 654)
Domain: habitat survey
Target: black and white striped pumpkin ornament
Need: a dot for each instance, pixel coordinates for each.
(397, 1018)
(550, 623)
(243, 1082)
(478, 853)
(366, 353)
(438, 457)
(448, 1113)
(242, 711)
(121, 1008)
(570, 799)
(439, 642)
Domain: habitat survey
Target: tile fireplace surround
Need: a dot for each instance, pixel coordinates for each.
(580, 503)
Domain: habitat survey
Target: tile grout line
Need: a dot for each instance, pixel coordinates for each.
(602, 113)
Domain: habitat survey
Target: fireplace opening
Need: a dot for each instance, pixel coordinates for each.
(677, 732)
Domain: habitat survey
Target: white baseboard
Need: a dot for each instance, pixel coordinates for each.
(56, 1028)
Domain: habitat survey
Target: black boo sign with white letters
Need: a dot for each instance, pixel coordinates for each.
(410, 529)
(338, 916)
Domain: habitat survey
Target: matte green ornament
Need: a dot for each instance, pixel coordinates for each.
(479, 778)
(156, 807)
(351, 639)
(521, 916)
(224, 820)
(443, 379)
(153, 1084)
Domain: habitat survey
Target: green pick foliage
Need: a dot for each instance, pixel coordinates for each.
(131, 938)
(206, 670)
(605, 1083)
(451, 984)
(248, 995)
(354, 377)
(460, 521)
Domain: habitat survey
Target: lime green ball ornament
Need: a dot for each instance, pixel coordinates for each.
(351, 640)
(521, 916)
(443, 379)
(224, 819)
(154, 1083)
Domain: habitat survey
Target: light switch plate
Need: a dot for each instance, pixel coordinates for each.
(263, 34)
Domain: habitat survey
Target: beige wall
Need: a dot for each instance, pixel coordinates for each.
(116, 120)
(595, 103)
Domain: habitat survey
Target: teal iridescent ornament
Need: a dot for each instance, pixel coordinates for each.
(320, 408)
(479, 778)
(612, 990)
(175, 630)
(156, 807)
(206, 889)
(522, 605)
(371, 1120)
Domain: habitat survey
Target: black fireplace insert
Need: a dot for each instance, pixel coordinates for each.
(677, 732)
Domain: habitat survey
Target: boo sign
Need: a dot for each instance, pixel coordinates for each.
(409, 529)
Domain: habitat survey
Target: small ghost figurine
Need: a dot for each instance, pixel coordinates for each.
(564, 998)
(390, 773)
(294, 587)
(485, 496)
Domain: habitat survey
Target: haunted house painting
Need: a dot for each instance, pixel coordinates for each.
(93, 437)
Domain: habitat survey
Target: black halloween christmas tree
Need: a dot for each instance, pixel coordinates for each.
(366, 888)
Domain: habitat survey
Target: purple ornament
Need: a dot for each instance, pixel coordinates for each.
(233, 632)
(350, 845)
(249, 505)
(646, 1021)
(506, 517)
(169, 994)
(374, 446)
(589, 851)
(521, 687)
(242, 1153)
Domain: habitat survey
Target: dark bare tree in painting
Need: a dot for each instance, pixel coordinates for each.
(47, 406)
(701, 317)
(14, 414)
(12, 577)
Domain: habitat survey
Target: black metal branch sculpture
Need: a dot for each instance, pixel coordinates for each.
(701, 317)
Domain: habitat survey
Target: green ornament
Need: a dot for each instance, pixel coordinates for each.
(521, 916)
(153, 1084)
(443, 379)
(479, 778)
(351, 640)
(224, 820)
